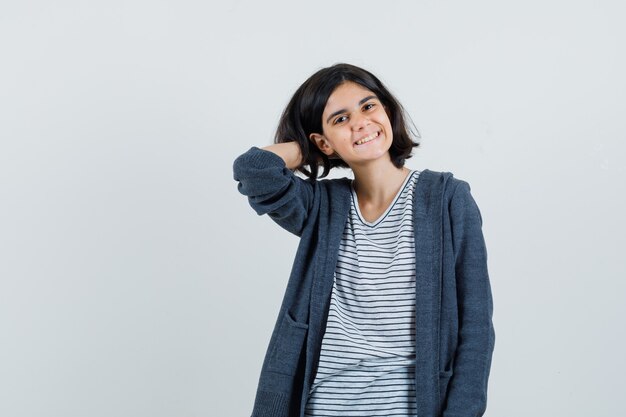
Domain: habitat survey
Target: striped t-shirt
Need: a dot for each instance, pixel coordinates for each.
(367, 358)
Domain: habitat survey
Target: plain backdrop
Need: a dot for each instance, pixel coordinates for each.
(136, 281)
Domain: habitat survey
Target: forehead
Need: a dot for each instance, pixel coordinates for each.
(346, 96)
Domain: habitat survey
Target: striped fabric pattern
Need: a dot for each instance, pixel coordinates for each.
(367, 360)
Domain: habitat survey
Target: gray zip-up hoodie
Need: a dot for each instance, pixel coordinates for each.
(454, 331)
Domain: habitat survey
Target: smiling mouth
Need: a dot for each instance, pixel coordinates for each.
(368, 138)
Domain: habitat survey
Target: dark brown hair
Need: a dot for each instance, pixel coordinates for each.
(303, 116)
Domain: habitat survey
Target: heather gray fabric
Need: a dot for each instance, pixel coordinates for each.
(454, 330)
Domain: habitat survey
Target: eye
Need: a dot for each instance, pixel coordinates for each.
(369, 106)
(340, 119)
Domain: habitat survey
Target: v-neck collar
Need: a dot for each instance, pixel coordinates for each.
(355, 201)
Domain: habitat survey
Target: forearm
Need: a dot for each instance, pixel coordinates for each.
(288, 151)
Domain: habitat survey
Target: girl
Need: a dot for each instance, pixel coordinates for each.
(388, 308)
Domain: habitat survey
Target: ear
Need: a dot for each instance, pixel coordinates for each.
(321, 143)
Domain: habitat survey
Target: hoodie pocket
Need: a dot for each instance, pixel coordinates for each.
(288, 346)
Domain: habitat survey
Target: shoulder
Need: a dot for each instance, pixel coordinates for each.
(458, 201)
(337, 193)
(455, 193)
(444, 179)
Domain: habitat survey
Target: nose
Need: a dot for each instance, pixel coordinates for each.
(359, 121)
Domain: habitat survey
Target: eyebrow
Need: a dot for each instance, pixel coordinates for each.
(345, 110)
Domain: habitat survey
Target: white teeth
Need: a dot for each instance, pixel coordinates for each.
(367, 139)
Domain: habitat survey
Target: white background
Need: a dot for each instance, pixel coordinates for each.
(136, 281)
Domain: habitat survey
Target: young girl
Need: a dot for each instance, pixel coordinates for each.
(388, 309)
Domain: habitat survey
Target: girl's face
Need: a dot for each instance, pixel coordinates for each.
(355, 125)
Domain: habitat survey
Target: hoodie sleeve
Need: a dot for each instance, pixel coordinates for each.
(467, 394)
(273, 189)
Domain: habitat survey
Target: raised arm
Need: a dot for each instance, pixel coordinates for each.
(289, 152)
(266, 177)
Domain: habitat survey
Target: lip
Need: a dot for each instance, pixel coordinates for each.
(365, 136)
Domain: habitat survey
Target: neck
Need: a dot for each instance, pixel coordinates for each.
(378, 180)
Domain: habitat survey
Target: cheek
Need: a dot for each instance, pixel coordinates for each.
(338, 135)
(385, 118)
(388, 113)
(387, 123)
